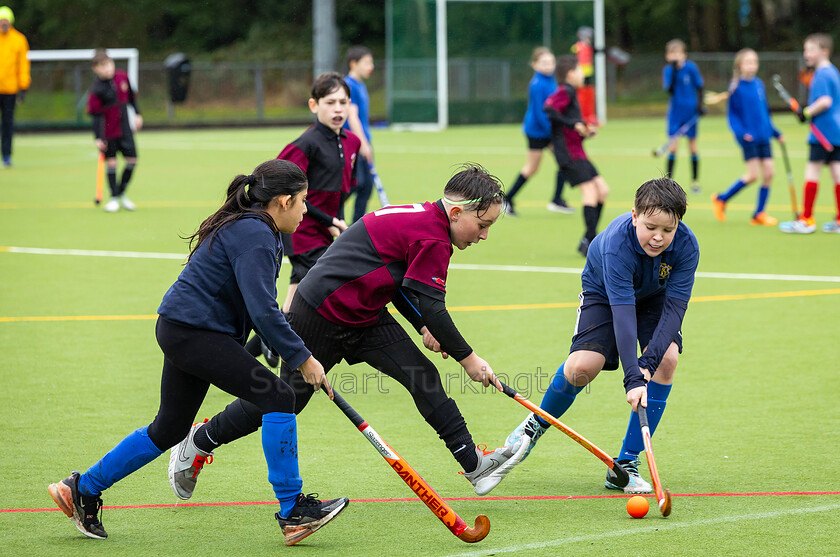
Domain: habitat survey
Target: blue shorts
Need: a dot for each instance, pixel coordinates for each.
(676, 120)
(755, 150)
(819, 154)
(594, 326)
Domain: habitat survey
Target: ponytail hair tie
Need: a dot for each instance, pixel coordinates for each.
(251, 180)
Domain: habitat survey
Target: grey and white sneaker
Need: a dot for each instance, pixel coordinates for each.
(185, 463)
(126, 203)
(308, 516)
(798, 226)
(493, 466)
(637, 484)
(560, 207)
(84, 511)
(112, 206)
(832, 227)
(530, 427)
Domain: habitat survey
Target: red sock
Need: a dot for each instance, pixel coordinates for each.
(837, 199)
(809, 197)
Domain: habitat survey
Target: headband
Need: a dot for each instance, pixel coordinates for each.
(471, 201)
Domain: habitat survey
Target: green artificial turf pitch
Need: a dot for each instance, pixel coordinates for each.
(747, 445)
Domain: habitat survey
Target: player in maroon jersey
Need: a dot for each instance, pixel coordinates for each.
(398, 254)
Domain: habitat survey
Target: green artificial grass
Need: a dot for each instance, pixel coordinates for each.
(752, 418)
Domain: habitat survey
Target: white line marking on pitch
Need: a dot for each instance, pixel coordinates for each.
(647, 529)
(458, 266)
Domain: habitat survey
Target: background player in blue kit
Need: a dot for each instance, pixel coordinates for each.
(823, 110)
(360, 67)
(749, 119)
(682, 79)
(537, 129)
(637, 282)
(398, 255)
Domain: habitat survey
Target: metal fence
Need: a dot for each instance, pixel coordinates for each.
(482, 90)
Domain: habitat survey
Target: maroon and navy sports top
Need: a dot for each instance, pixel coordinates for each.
(328, 160)
(398, 246)
(108, 103)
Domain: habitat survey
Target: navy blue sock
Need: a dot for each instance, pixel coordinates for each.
(559, 396)
(763, 194)
(672, 157)
(279, 440)
(695, 167)
(737, 186)
(657, 396)
(130, 454)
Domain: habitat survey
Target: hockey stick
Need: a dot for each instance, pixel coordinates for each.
(794, 106)
(682, 130)
(100, 178)
(380, 189)
(791, 187)
(417, 484)
(617, 473)
(662, 495)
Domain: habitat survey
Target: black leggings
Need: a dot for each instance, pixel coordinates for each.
(196, 358)
(385, 346)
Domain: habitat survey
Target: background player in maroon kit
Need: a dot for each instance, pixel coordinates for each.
(568, 130)
(108, 103)
(401, 255)
(327, 155)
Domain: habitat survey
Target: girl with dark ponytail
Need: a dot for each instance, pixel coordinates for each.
(226, 289)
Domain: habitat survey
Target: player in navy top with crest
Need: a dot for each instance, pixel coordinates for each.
(637, 282)
(227, 287)
(682, 80)
(360, 67)
(750, 122)
(397, 255)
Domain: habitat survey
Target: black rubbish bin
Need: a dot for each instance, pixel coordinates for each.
(178, 75)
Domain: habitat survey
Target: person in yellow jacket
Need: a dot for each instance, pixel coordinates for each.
(14, 77)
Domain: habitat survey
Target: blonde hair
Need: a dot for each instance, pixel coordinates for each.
(538, 52)
(736, 66)
(674, 44)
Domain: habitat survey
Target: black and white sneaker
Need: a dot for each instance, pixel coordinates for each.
(81, 509)
(583, 246)
(308, 516)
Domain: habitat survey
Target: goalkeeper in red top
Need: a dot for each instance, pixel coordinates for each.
(397, 255)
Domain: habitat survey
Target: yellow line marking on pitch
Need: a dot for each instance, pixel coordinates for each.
(558, 305)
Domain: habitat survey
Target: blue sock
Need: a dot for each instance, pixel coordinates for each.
(657, 395)
(733, 189)
(279, 440)
(130, 454)
(763, 194)
(559, 396)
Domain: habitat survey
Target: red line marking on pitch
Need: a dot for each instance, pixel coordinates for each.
(409, 499)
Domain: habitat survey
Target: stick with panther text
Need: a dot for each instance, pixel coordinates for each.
(426, 494)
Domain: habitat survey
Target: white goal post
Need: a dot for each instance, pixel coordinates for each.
(442, 57)
(132, 55)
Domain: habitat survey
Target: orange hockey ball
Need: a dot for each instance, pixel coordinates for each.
(637, 506)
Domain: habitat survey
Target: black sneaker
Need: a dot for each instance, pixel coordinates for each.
(308, 516)
(81, 509)
(583, 246)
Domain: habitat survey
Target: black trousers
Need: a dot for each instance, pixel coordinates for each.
(384, 345)
(196, 358)
(7, 108)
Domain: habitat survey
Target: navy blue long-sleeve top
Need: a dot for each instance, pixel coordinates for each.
(230, 286)
(748, 112)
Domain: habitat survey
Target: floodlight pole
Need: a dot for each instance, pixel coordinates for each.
(600, 62)
(442, 65)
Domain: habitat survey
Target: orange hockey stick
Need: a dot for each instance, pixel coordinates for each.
(100, 179)
(417, 484)
(662, 495)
